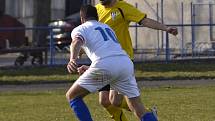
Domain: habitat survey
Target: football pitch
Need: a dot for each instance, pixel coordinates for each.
(186, 102)
(192, 103)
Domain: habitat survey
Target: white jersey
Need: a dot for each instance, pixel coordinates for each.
(99, 40)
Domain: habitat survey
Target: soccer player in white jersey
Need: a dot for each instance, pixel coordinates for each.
(110, 65)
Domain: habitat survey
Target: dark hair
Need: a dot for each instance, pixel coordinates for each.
(1, 13)
(89, 12)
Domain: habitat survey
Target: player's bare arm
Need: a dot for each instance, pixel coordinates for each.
(150, 23)
(74, 52)
(82, 69)
(81, 53)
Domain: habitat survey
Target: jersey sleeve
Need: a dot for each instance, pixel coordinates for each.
(131, 13)
(78, 33)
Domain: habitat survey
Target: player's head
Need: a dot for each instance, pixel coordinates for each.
(88, 12)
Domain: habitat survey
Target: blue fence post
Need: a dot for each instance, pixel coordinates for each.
(158, 35)
(182, 29)
(51, 46)
(211, 21)
(136, 5)
(167, 48)
(193, 27)
(162, 21)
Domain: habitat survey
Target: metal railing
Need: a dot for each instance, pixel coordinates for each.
(46, 28)
(166, 50)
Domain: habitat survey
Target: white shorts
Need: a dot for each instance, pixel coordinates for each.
(118, 71)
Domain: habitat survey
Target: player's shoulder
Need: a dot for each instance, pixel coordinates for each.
(87, 26)
(78, 29)
(99, 6)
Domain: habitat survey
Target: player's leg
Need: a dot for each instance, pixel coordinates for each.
(89, 81)
(75, 97)
(131, 91)
(104, 96)
(140, 111)
(116, 113)
(118, 100)
(127, 86)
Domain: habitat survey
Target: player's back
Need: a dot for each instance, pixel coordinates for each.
(99, 40)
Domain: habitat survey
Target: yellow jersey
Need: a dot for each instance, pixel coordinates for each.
(118, 18)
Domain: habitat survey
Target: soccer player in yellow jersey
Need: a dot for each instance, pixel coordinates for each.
(118, 14)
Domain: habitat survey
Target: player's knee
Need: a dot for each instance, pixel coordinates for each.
(104, 98)
(68, 97)
(115, 98)
(104, 102)
(115, 102)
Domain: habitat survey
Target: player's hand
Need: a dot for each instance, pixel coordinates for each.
(172, 30)
(72, 66)
(82, 69)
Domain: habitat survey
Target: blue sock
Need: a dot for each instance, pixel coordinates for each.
(149, 117)
(80, 109)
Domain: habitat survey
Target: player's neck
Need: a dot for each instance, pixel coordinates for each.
(113, 2)
(90, 19)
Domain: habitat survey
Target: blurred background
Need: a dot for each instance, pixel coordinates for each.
(37, 32)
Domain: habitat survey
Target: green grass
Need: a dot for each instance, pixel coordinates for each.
(154, 71)
(35, 75)
(174, 104)
(147, 71)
